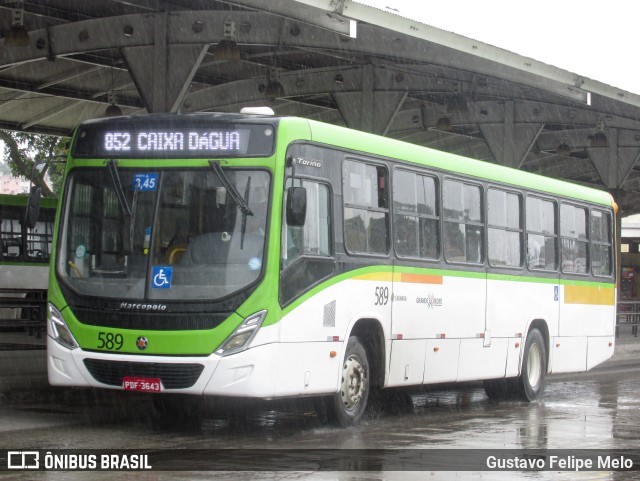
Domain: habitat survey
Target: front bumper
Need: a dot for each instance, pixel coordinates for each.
(266, 371)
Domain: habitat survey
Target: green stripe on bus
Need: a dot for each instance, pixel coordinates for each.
(444, 273)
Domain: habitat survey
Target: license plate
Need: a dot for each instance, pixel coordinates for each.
(144, 384)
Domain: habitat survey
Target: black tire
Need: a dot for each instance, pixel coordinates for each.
(529, 386)
(348, 405)
(499, 389)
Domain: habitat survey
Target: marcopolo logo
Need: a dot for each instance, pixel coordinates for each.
(143, 307)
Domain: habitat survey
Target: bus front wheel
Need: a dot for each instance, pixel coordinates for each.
(347, 406)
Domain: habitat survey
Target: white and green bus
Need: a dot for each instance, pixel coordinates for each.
(245, 255)
(24, 262)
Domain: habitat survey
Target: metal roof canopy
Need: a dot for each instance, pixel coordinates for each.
(397, 77)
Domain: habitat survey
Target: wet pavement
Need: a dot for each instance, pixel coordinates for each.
(595, 410)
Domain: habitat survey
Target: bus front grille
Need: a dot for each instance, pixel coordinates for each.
(172, 376)
(153, 321)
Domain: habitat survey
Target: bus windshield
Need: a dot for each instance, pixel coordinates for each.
(176, 235)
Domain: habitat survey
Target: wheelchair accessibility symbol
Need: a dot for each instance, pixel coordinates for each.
(161, 277)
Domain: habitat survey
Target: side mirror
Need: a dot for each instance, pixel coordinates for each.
(33, 207)
(296, 206)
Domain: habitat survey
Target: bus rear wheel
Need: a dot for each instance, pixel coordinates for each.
(529, 386)
(347, 406)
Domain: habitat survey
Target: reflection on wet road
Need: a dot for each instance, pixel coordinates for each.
(597, 410)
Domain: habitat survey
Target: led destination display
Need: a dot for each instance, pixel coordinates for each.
(226, 140)
(172, 139)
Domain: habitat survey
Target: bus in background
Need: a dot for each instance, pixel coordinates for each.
(270, 257)
(24, 262)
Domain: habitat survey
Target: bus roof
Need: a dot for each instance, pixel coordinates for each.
(396, 149)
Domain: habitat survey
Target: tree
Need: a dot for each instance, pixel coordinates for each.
(22, 150)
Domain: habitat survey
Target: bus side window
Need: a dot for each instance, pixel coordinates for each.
(40, 237)
(573, 230)
(464, 224)
(11, 232)
(366, 210)
(416, 215)
(542, 233)
(505, 230)
(601, 243)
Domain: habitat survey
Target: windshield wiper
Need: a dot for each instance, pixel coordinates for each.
(124, 205)
(244, 216)
(235, 195)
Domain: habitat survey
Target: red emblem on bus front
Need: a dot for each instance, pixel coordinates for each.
(142, 343)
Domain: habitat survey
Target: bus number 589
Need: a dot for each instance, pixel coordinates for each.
(382, 296)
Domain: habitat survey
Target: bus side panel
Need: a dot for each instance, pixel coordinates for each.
(438, 306)
(435, 307)
(278, 370)
(322, 323)
(329, 313)
(587, 310)
(418, 305)
(480, 362)
(24, 277)
(514, 356)
(568, 354)
(407, 362)
(599, 349)
(441, 363)
(512, 305)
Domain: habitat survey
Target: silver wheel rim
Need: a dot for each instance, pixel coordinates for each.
(354, 382)
(534, 366)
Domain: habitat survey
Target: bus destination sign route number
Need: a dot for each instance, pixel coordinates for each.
(175, 141)
(173, 137)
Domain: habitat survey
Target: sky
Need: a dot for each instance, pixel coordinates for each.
(597, 40)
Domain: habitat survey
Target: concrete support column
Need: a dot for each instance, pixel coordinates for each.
(162, 72)
(614, 163)
(510, 142)
(369, 110)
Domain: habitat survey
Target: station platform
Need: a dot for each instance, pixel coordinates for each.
(24, 368)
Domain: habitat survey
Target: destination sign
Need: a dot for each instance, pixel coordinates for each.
(202, 141)
(155, 139)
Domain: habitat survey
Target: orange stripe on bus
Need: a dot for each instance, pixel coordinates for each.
(400, 277)
(420, 279)
(376, 276)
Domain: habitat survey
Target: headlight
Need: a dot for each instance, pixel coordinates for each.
(240, 339)
(57, 329)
